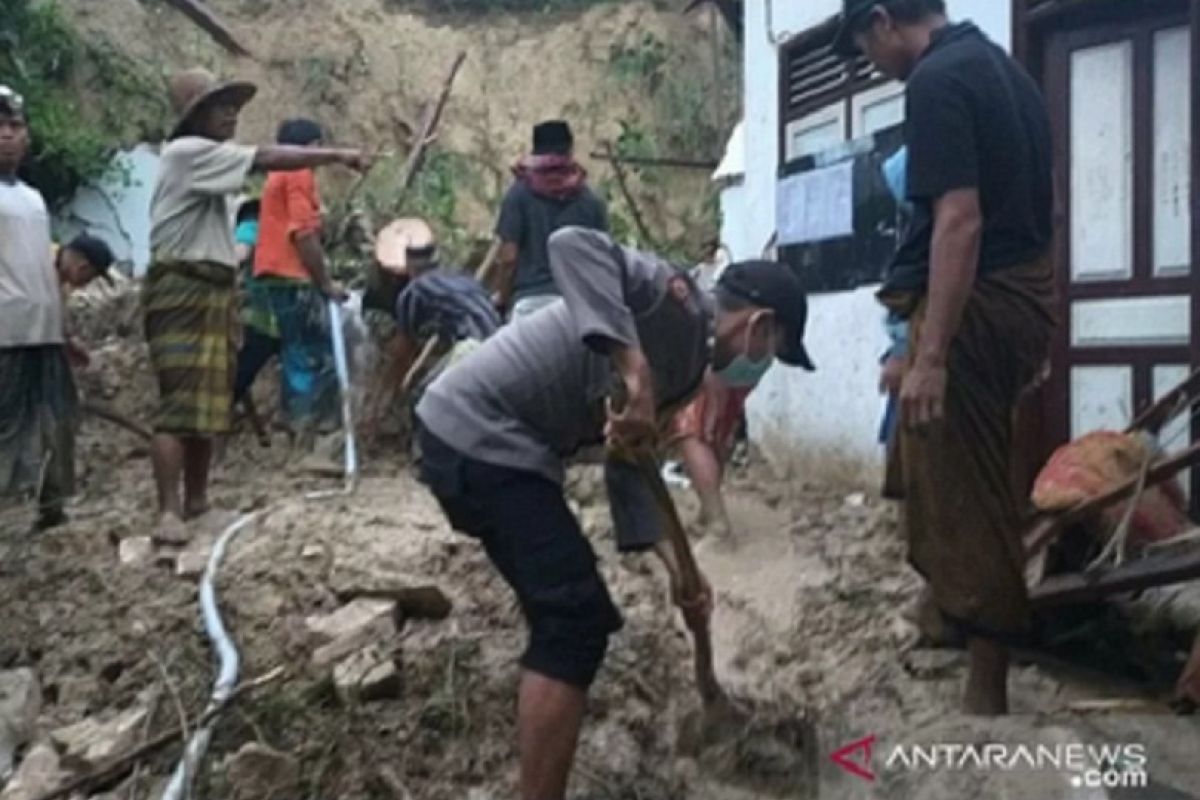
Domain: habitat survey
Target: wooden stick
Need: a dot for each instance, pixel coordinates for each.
(1145, 573)
(1046, 527)
(634, 211)
(679, 163)
(429, 126)
(199, 13)
(116, 766)
(1168, 406)
(107, 414)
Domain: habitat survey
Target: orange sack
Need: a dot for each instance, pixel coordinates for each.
(1097, 462)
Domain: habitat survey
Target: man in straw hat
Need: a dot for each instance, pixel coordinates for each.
(497, 427)
(189, 289)
(427, 301)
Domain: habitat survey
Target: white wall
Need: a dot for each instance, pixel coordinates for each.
(117, 209)
(823, 425)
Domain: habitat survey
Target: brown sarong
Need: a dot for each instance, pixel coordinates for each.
(190, 328)
(962, 514)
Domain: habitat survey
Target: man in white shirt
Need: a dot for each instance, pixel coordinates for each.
(38, 403)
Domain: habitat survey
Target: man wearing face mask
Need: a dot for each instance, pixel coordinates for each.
(705, 432)
(497, 428)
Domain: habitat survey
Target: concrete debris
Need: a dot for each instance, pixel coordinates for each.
(20, 704)
(135, 551)
(257, 772)
(348, 619)
(370, 674)
(91, 742)
(856, 500)
(40, 773)
(351, 628)
(190, 564)
(414, 597)
(312, 552)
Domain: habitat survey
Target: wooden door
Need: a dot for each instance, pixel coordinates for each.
(1120, 98)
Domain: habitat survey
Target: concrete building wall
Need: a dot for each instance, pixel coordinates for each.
(822, 426)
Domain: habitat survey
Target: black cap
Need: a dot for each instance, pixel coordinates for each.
(96, 251)
(852, 14)
(11, 103)
(772, 285)
(552, 137)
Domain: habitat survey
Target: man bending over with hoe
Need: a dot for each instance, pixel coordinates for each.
(629, 342)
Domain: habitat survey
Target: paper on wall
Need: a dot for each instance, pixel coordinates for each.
(817, 205)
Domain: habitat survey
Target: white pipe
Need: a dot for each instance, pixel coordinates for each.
(343, 375)
(228, 659)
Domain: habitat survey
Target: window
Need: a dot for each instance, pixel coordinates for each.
(817, 90)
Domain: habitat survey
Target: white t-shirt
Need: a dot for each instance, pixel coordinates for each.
(191, 213)
(31, 311)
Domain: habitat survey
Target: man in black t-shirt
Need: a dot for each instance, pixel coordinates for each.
(550, 192)
(973, 277)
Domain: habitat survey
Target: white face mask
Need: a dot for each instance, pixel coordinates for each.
(744, 372)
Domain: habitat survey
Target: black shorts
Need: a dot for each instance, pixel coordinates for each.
(530, 534)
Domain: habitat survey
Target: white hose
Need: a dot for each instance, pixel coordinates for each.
(343, 375)
(228, 660)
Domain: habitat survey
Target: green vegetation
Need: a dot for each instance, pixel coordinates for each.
(43, 59)
(681, 116)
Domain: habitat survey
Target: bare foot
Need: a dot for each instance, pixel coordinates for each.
(170, 529)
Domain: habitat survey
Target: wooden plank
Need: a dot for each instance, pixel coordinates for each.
(1145, 573)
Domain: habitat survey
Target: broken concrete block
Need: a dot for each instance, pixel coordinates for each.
(135, 551)
(377, 630)
(348, 619)
(312, 552)
(39, 774)
(93, 741)
(370, 674)
(256, 772)
(190, 564)
(20, 704)
(416, 598)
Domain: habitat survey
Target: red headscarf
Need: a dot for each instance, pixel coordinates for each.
(558, 177)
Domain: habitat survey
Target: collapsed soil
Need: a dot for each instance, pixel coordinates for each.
(810, 629)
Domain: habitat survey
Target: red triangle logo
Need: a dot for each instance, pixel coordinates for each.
(855, 758)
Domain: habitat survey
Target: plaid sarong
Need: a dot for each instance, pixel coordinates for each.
(189, 308)
(38, 414)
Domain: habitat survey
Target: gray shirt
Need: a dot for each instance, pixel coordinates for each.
(534, 393)
(528, 219)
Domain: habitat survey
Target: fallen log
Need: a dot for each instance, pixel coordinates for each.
(199, 13)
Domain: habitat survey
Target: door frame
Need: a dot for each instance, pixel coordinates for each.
(1043, 39)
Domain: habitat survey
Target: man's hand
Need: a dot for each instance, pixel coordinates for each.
(891, 375)
(357, 160)
(923, 394)
(635, 425)
(1188, 689)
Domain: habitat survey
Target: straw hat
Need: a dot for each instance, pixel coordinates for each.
(398, 237)
(193, 88)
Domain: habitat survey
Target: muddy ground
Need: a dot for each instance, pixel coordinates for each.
(811, 633)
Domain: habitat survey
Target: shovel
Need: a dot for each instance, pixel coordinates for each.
(720, 714)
